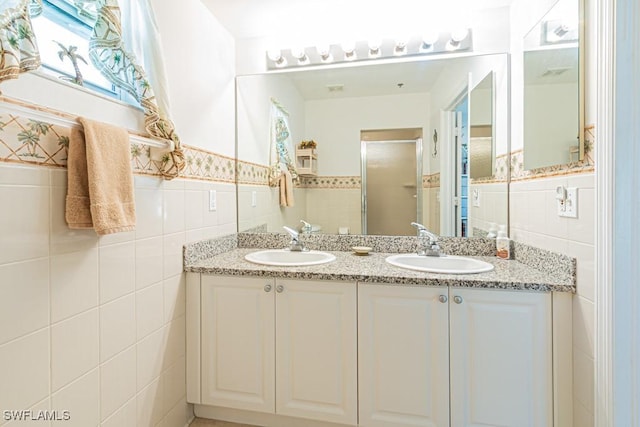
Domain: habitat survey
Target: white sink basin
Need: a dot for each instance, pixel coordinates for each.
(285, 257)
(448, 264)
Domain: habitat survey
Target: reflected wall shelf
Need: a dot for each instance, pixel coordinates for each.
(307, 161)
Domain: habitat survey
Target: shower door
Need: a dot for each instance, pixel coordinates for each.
(391, 186)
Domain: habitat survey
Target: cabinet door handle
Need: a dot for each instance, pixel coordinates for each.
(442, 298)
(267, 288)
(279, 289)
(457, 299)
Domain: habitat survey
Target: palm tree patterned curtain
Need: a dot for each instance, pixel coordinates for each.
(281, 145)
(18, 48)
(109, 53)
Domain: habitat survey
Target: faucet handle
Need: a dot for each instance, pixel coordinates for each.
(422, 231)
(420, 227)
(306, 227)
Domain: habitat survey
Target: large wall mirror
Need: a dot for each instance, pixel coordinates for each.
(553, 94)
(443, 122)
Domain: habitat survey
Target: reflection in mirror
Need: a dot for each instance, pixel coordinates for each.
(333, 107)
(391, 181)
(552, 89)
(481, 158)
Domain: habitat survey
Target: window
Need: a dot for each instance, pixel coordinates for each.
(63, 22)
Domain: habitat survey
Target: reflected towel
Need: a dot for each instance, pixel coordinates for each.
(286, 189)
(100, 181)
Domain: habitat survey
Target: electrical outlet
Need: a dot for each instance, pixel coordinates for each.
(254, 199)
(570, 204)
(213, 202)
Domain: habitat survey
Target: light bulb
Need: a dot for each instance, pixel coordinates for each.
(274, 54)
(349, 48)
(297, 52)
(324, 51)
(374, 48)
(459, 34)
(401, 47)
(428, 40)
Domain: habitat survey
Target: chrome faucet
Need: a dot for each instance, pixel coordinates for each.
(306, 228)
(427, 241)
(295, 245)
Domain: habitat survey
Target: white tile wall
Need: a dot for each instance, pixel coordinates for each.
(75, 348)
(268, 210)
(335, 208)
(534, 220)
(493, 206)
(95, 325)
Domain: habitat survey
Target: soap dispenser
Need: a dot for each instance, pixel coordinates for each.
(503, 245)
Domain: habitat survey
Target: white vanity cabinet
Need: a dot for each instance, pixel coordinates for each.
(501, 358)
(456, 357)
(403, 355)
(280, 346)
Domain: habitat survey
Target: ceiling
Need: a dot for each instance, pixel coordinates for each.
(369, 80)
(286, 18)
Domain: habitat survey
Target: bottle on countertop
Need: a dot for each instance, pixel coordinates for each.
(503, 245)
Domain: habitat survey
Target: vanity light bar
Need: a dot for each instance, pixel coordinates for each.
(429, 44)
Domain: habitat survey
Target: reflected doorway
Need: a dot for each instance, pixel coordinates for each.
(391, 181)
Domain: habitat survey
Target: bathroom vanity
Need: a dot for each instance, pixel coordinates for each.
(360, 342)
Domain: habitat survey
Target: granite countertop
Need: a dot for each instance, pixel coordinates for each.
(372, 268)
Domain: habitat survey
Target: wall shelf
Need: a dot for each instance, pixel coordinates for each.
(307, 161)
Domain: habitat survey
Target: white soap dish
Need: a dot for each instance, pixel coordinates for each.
(361, 250)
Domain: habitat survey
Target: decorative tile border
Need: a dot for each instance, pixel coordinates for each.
(431, 181)
(34, 142)
(501, 171)
(209, 166)
(331, 182)
(252, 173)
(587, 165)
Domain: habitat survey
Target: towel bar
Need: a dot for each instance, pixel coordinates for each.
(58, 118)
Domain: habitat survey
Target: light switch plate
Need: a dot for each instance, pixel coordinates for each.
(475, 198)
(254, 199)
(570, 204)
(213, 200)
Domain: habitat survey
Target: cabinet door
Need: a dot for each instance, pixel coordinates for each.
(238, 343)
(501, 362)
(316, 350)
(403, 356)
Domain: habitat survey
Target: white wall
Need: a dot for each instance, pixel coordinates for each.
(550, 124)
(479, 114)
(469, 72)
(254, 106)
(335, 124)
(200, 62)
(96, 325)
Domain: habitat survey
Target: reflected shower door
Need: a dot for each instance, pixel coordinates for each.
(390, 184)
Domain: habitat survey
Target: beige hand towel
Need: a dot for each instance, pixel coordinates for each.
(286, 189)
(100, 180)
